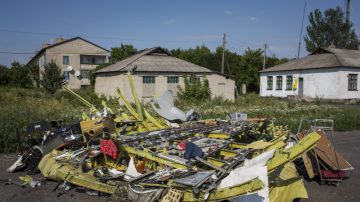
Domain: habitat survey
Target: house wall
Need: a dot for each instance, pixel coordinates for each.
(106, 85)
(344, 92)
(321, 83)
(221, 86)
(73, 49)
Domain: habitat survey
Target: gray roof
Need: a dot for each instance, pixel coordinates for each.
(155, 60)
(65, 41)
(321, 58)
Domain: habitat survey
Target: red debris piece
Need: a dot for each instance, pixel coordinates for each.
(109, 147)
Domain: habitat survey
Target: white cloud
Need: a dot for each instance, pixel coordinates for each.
(253, 18)
(227, 12)
(168, 22)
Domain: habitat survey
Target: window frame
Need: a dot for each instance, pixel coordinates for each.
(68, 60)
(92, 59)
(149, 79)
(279, 81)
(172, 79)
(268, 79)
(66, 76)
(88, 74)
(352, 82)
(289, 84)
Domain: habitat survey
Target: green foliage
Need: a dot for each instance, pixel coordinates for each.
(330, 28)
(194, 90)
(34, 73)
(244, 67)
(122, 52)
(4, 76)
(345, 117)
(19, 76)
(52, 79)
(20, 106)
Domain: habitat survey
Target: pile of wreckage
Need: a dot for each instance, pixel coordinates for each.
(136, 155)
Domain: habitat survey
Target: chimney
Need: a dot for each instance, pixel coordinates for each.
(45, 45)
(59, 40)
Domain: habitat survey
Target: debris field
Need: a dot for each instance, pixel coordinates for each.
(164, 154)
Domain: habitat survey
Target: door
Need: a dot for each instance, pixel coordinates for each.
(301, 87)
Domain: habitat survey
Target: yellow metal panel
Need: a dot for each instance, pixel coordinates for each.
(258, 145)
(288, 185)
(61, 172)
(228, 153)
(238, 146)
(218, 136)
(215, 162)
(283, 156)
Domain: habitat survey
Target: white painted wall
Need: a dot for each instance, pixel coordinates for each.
(344, 92)
(328, 83)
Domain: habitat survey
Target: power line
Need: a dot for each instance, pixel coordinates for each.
(104, 37)
(15, 53)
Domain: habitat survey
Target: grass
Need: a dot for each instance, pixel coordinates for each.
(280, 110)
(19, 107)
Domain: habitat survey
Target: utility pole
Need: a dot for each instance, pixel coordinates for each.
(348, 12)
(223, 54)
(302, 25)
(264, 62)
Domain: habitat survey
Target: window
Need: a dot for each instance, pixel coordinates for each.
(173, 79)
(289, 81)
(278, 82)
(352, 85)
(194, 79)
(92, 59)
(270, 82)
(67, 76)
(148, 79)
(66, 60)
(84, 74)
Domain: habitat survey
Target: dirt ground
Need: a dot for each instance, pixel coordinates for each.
(347, 143)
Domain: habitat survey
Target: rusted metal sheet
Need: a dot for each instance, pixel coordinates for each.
(326, 152)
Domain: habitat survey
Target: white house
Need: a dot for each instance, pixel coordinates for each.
(327, 73)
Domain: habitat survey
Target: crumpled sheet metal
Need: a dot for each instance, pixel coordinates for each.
(167, 109)
(148, 195)
(326, 152)
(288, 186)
(54, 170)
(253, 168)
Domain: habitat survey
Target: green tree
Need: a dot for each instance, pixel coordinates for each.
(250, 65)
(194, 89)
(122, 52)
(19, 75)
(52, 78)
(4, 75)
(330, 28)
(34, 72)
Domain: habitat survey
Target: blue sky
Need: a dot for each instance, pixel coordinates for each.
(24, 25)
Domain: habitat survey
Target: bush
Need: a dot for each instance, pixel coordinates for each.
(19, 107)
(52, 79)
